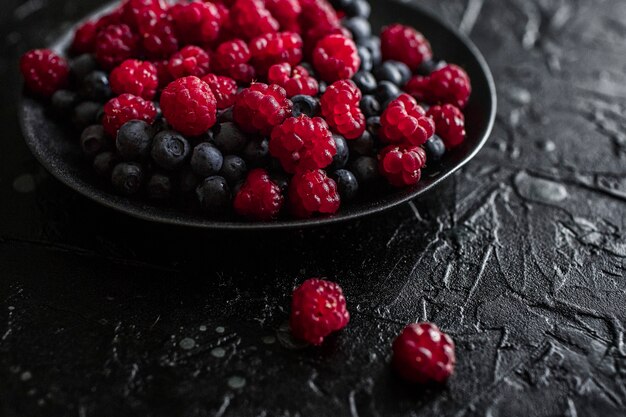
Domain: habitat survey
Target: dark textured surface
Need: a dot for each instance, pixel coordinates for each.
(521, 258)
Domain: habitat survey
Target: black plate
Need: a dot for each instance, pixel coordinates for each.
(59, 153)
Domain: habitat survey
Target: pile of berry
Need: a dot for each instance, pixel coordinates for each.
(267, 108)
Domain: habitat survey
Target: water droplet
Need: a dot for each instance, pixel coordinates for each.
(539, 189)
(218, 352)
(11, 308)
(220, 329)
(187, 343)
(25, 183)
(268, 340)
(546, 145)
(236, 382)
(203, 328)
(26, 376)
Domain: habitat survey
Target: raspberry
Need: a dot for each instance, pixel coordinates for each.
(113, 18)
(134, 11)
(405, 122)
(296, 82)
(124, 108)
(318, 308)
(405, 44)
(317, 13)
(135, 77)
(449, 124)
(340, 108)
(158, 36)
(259, 198)
(196, 23)
(261, 107)
(302, 143)
(224, 89)
(85, 38)
(163, 73)
(231, 58)
(44, 71)
(313, 192)
(275, 48)
(450, 85)
(191, 60)
(401, 166)
(418, 87)
(423, 353)
(335, 57)
(189, 106)
(114, 45)
(252, 19)
(286, 12)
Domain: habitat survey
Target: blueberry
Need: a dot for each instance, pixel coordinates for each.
(234, 169)
(341, 157)
(63, 102)
(364, 145)
(228, 138)
(404, 70)
(159, 186)
(386, 91)
(366, 58)
(347, 184)
(127, 177)
(360, 8)
(365, 81)
(169, 149)
(306, 105)
(188, 180)
(430, 66)
(225, 115)
(214, 194)
(93, 140)
(435, 149)
(86, 113)
(359, 27)
(82, 65)
(256, 152)
(373, 45)
(160, 124)
(370, 106)
(95, 87)
(206, 160)
(373, 125)
(104, 163)
(365, 169)
(133, 140)
(388, 71)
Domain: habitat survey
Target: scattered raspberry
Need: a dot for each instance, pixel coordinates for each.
(135, 77)
(196, 22)
(405, 44)
(335, 58)
(313, 192)
(275, 48)
(124, 108)
(134, 11)
(286, 12)
(252, 19)
(449, 124)
(423, 353)
(450, 85)
(404, 121)
(44, 71)
(296, 82)
(402, 166)
(259, 198)
(303, 143)
(191, 60)
(318, 308)
(114, 45)
(85, 38)
(261, 107)
(231, 59)
(189, 106)
(158, 35)
(418, 88)
(224, 89)
(340, 108)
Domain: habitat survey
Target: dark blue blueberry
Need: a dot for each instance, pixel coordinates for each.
(86, 113)
(364, 145)
(365, 81)
(256, 152)
(188, 180)
(93, 141)
(428, 67)
(306, 105)
(169, 149)
(234, 169)
(365, 169)
(127, 177)
(104, 163)
(228, 138)
(95, 87)
(366, 58)
(360, 8)
(373, 125)
(63, 102)
(214, 195)
(404, 70)
(389, 71)
(206, 160)
(386, 91)
(134, 139)
(347, 184)
(343, 153)
(359, 27)
(435, 149)
(82, 65)
(373, 45)
(225, 115)
(370, 106)
(159, 186)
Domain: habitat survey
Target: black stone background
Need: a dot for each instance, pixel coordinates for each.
(521, 257)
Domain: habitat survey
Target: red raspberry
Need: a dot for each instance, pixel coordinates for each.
(318, 308)
(302, 143)
(134, 11)
(189, 106)
(296, 81)
(113, 18)
(44, 71)
(231, 58)
(450, 85)
(316, 13)
(252, 19)
(402, 166)
(340, 108)
(191, 60)
(158, 35)
(405, 44)
(196, 23)
(449, 124)
(418, 88)
(286, 12)
(313, 192)
(423, 353)
(261, 107)
(163, 73)
(114, 45)
(224, 89)
(85, 38)
(275, 48)
(335, 58)
(135, 77)
(405, 122)
(259, 198)
(124, 108)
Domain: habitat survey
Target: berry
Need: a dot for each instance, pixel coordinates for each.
(402, 166)
(233, 169)
(365, 82)
(449, 124)
(418, 87)
(256, 152)
(423, 353)
(347, 185)
(135, 77)
(372, 44)
(158, 35)
(430, 66)
(93, 141)
(317, 13)
(96, 87)
(252, 19)
(435, 149)
(405, 121)
(134, 11)
(318, 308)
(386, 91)
(449, 85)
(359, 8)
(363, 145)
(366, 58)
(313, 192)
(86, 113)
(124, 108)
(405, 44)
(307, 105)
(275, 48)
(258, 198)
(214, 195)
(365, 169)
(341, 157)
(127, 178)
(169, 150)
(229, 138)
(104, 163)
(82, 65)
(206, 160)
(286, 13)
(261, 107)
(335, 57)
(85, 38)
(189, 106)
(231, 59)
(369, 106)
(224, 89)
(44, 71)
(159, 187)
(302, 143)
(295, 82)
(134, 139)
(114, 45)
(340, 107)
(374, 126)
(191, 60)
(63, 102)
(196, 22)
(395, 72)
(359, 27)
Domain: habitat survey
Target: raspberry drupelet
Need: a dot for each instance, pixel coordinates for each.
(313, 192)
(405, 122)
(335, 57)
(189, 106)
(191, 60)
(124, 108)
(449, 124)
(85, 38)
(450, 85)
(44, 71)
(135, 77)
(318, 308)
(224, 89)
(196, 22)
(400, 165)
(114, 45)
(252, 19)
(422, 353)
(260, 107)
(340, 108)
(232, 58)
(405, 44)
(259, 198)
(303, 143)
(296, 80)
(275, 48)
